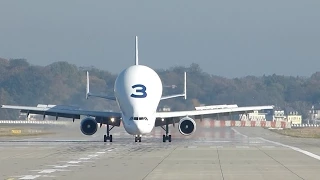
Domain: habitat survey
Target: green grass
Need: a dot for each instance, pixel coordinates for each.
(21, 131)
(300, 132)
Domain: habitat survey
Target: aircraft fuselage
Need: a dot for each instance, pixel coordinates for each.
(138, 90)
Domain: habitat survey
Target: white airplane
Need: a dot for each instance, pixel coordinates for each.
(137, 91)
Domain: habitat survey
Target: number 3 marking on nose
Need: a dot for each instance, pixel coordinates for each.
(142, 91)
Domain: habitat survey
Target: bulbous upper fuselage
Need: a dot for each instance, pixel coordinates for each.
(138, 90)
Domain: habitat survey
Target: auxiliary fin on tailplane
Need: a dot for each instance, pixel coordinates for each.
(95, 95)
(184, 94)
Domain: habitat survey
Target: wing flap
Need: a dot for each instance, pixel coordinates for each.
(61, 112)
(213, 111)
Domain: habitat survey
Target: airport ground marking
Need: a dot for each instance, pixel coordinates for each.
(61, 167)
(242, 147)
(30, 177)
(293, 148)
(101, 152)
(237, 132)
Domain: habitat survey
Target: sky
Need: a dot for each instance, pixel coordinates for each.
(226, 38)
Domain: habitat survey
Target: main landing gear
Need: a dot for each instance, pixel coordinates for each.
(108, 136)
(166, 137)
(137, 138)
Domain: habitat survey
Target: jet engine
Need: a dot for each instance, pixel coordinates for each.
(187, 126)
(89, 126)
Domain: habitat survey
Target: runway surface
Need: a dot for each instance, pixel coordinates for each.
(211, 153)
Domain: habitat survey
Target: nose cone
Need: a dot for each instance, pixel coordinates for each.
(143, 127)
(138, 127)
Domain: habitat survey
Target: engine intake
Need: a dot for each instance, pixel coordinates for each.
(187, 126)
(89, 126)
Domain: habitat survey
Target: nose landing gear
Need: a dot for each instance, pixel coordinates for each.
(137, 138)
(108, 136)
(166, 136)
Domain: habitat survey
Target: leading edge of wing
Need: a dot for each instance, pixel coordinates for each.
(213, 111)
(63, 111)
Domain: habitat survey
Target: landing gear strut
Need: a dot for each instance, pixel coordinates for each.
(108, 136)
(137, 138)
(166, 137)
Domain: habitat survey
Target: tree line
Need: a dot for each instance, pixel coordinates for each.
(63, 83)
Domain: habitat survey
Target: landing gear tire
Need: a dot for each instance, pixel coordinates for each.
(137, 138)
(166, 137)
(106, 138)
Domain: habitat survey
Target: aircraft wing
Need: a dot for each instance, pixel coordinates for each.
(62, 111)
(171, 114)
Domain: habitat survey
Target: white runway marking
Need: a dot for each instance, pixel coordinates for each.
(30, 139)
(237, 132)
(95, 155)
(48, 171)
(30, 177)
(74, 162)
(216, 146)
(101, 152)
(242, 146)
(63, 166)
(207, 141)
(268, 147)
(294, 148)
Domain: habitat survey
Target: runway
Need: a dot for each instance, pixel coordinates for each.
(211, 153)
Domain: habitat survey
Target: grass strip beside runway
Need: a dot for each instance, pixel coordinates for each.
(21, 131)
(308, 132)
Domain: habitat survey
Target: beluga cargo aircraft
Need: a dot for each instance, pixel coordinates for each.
(137, 91)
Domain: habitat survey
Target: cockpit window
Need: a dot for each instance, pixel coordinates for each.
(138, 118)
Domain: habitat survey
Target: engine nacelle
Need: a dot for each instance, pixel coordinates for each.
(89, 126)
(187, 126)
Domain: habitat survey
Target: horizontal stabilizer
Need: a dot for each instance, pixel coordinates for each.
(184, 94)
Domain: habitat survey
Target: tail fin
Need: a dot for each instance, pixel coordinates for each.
(137, 52)
(185, 85)
(87, 90)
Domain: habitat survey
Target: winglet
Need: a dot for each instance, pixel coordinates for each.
(137, 52)
(87, 89)
(185, 85)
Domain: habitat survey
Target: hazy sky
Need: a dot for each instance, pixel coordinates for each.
(227, 38)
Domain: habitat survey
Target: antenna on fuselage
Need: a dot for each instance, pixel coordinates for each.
(137, 55)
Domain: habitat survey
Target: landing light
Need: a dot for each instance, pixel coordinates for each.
(162, 119)
(112, 119)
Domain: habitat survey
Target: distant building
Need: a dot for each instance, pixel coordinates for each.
(254, 116)
(315, 112)
(292, 116)
(279, 115)
(294, 119)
